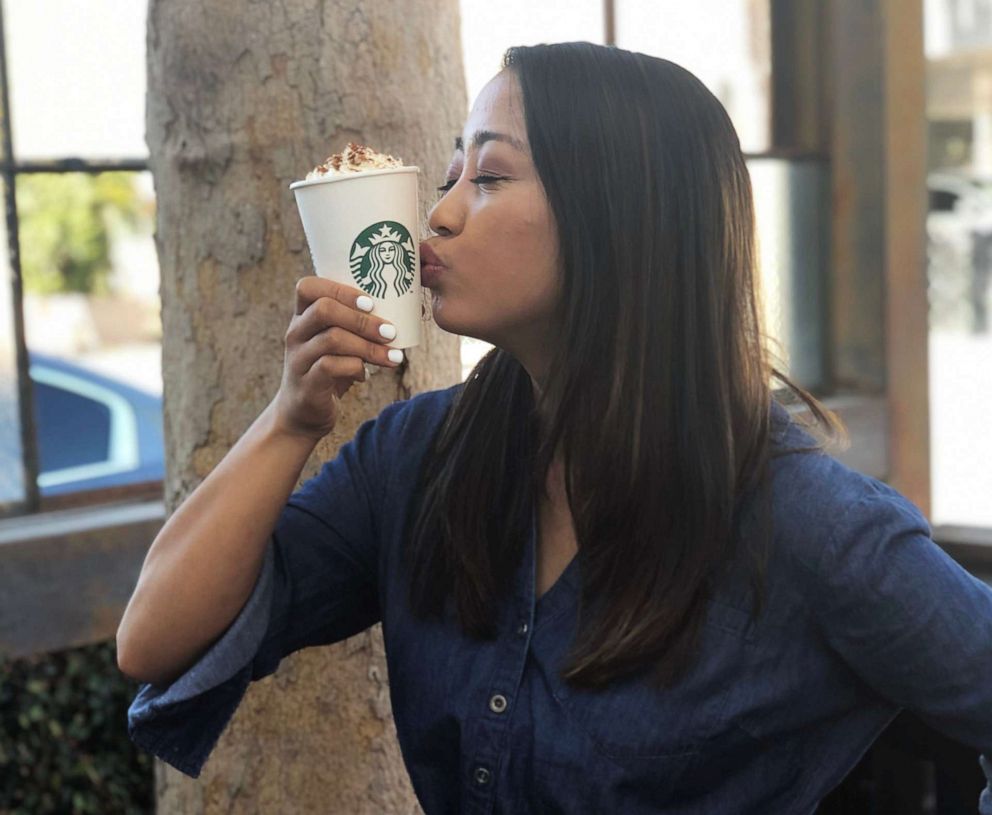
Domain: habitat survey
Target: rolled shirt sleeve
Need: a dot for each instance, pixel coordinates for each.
(318, 585)
(180, 723)
(911, 622)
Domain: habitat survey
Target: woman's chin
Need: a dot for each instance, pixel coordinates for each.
(442, 319)
(453, 322)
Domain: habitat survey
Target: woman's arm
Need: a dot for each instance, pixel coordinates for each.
(909, 620)
(204, 562)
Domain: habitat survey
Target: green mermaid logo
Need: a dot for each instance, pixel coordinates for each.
(382, 260)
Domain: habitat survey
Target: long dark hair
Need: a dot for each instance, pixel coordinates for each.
(658, 395)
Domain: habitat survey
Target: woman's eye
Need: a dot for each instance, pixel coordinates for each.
(479, 179)
(486, 179)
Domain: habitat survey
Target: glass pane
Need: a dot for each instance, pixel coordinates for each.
(11, 451)
(93, 328)
(78, 428)
(88, 102)
(726, 43)
(958, 43)
(791, 201)
(488, 29)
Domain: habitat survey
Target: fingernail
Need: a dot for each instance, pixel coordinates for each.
(365, 303)
(395, 355)
(388, 331)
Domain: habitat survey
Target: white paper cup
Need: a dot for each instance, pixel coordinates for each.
(362, 229)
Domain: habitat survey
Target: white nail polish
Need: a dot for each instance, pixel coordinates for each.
(388, 331)
(395, 355)
(365, 303)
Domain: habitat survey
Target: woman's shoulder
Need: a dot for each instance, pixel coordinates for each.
(816, 496)
(826, 518)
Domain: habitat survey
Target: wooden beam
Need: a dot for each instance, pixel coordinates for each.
(609, 22)
(878, 271)
(856, 281)
(906, 308)
(799, 79)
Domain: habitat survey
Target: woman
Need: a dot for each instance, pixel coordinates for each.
(613, 576)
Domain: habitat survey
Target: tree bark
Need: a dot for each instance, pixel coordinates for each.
(244, 97)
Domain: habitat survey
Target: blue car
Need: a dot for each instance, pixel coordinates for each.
(93, 431)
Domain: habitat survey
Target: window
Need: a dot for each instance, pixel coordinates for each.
(726, 44)
(80, 305)
(488, 29)
(958, 45)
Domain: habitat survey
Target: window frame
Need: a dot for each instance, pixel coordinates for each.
(70, 561)
(10, 169)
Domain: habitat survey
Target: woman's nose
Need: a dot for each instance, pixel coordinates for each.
(446, 216)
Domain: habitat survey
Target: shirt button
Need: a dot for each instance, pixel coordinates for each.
(522, 629)
(481, 776)
(498, 703)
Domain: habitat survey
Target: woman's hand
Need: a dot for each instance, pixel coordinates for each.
(328, 342)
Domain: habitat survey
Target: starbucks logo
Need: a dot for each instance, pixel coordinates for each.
(382, 260)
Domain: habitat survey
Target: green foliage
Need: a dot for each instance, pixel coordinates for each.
(67, 222)
(63, 737)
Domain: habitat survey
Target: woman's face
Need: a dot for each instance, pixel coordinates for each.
(388, 252)
(496, 234)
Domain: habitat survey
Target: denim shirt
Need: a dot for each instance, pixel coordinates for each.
(865, 616)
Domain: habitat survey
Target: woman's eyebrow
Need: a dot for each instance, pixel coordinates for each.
(482, 136)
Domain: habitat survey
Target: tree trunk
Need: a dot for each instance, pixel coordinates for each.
(243, 98)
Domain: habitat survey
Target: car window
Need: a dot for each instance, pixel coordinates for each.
(84, 429)
(72, 429)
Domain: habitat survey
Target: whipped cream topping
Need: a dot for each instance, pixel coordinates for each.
(355, 158)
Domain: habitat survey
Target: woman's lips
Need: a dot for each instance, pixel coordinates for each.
(431, 266)
(429, 275)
